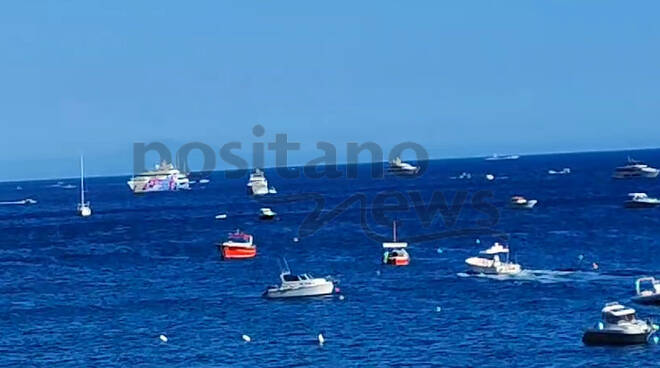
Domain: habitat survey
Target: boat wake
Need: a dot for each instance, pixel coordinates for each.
(546, 276)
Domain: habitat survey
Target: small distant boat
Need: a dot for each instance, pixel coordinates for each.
(490, 177)
(641, 200)
(84, 208)
(18, 187)
(266, 213)
(395, 253)
(619, 326)
(204, 181)
(489, 262)
(564, 171)
(257, 185)
(239, 245)
(647, 291)
(68, 186)
(497, 157)
(221, 216)
(398, 167)
(20, 202)
(635, 169)
(302, 285)
(521, 202)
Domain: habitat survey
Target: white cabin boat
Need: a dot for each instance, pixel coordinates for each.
(489, 262)
(619, 326)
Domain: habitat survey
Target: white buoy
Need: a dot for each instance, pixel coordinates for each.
(247, 338)
(163, 338)
(490, 177)
(341, 297)
(295, 239)
(321, 339)
(438, 309)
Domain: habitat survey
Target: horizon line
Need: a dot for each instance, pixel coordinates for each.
(359, 163)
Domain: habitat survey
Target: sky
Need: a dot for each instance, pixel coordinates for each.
(460, 78)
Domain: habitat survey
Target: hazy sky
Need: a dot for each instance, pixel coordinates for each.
(461, 78)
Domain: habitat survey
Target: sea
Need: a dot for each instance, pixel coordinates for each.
(108, 290)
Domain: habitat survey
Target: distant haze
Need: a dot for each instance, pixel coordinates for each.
(461, 78)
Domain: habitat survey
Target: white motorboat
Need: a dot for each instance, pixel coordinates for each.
(497, 157)
(303, 285)
(84, 208)
(489, 262)
(564, 171)
(641, 200)
(398, 167)
(266, 213)
(395, 253)
(257, 185)
(221, 216)
(647, 291)
(619, 326)
(521, 202)
(635, 169)
(165, 177)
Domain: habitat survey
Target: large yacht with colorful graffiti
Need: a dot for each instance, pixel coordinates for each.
(163, 178)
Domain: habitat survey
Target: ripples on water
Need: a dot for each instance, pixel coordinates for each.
(100, 291)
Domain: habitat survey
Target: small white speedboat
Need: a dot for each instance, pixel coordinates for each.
(295, 286)
(221, 216)
(647, 291)
(641, 200)
(521, 202)
(488, 262)
(266, 213)
(564, 171)
(619, 326)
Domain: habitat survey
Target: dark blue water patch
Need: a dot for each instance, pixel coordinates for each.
(100, 291)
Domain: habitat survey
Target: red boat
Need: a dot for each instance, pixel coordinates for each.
(395, 253)
(239, 245)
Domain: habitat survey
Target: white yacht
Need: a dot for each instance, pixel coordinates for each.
(165, 177)
(84, 208)
(635, 169)
(647, 291)
(489, 262)
(641, 200)
(398, 167)
(293, 286)
(257, 185)
(497, 157)
(619, 326)
(521, 202)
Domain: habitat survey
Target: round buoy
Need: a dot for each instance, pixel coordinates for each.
(438, 309)
(295, 239)
(163, 338)
(478, 241)
(321, 339)
(341, 297)
(337, 289)
(377, 272)
(594, 265)
(247, 338)
(581, 257)
(490, 177)
(439, 250)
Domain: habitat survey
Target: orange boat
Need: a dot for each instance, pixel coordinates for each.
(239, 245)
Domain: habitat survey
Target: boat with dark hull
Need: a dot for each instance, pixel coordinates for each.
(619, 326)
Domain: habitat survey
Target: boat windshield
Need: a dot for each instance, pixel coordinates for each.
(609, 318)
(290, 277)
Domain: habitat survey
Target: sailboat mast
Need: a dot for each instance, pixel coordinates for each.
(82, 182)
(394, 231)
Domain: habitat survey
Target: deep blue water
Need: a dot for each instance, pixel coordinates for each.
(100, 291)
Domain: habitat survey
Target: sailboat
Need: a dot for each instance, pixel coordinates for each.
(395, 253)
(84, 209)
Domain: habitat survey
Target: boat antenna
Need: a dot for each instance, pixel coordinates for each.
(82, 182)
